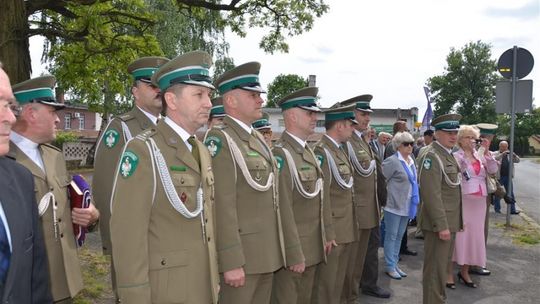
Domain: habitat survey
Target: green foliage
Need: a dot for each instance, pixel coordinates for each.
(468, 84)
(526, 124)
(283, 85)
(64, 137)
(117, 32)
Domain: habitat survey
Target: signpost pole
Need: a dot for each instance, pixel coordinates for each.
(512, 126)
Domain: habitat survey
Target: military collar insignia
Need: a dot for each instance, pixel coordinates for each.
(320, 160)
(279, 161)
(128, 163)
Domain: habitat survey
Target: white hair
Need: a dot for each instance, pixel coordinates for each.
(400, 138)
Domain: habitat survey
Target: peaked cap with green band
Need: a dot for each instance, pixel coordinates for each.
(305, 98)
(217, 107)
(245, 76)
(143, 68)
(262, 123)
(339, 112)
(190, 68)
(37, 90)
(361, 102)
(487, 128)
(446, 122)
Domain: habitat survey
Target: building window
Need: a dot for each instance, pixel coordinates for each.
(81, 121)
(67, 121)
(320, 123)
(281, 123)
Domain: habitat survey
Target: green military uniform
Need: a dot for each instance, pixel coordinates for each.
(162, 220)
(440, 192)
(109, 147)
(247, 204)
(51, 187)
(300, 188)
(338, 190)
(366, 205)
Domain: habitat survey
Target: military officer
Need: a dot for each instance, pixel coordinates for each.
(217, 113)
(264, 127)
(300, 187)
(338, 191)
(162, 226)
(367, 209)
(441, 215)
(250, 240)
(119, 130)
(34, 129)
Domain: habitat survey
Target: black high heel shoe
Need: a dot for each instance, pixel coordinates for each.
(451, 285)
(470, 284)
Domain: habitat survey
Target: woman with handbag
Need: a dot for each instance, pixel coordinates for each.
(470, 247)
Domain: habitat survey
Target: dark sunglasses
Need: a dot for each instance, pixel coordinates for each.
(405, 144)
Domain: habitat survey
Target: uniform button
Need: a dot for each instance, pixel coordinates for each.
(59, 220)
(56, 203)
(240, 230)
(61, 235)
(208, 239)
(163, 262)
(333, 214)
(51, 188)
(206, 220)
(182, 181)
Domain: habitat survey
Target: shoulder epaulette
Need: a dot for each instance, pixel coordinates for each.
(144, 135)
(52, 147)
(126, 116)
(220, 127)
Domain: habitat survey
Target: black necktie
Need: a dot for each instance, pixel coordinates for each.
(194, 149)
(5, 253)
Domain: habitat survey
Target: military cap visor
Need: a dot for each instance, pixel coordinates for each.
(361, 102)
(304, 98)
(245, 77)
(217, 111)
(37, 90)
(447, 122)
(190, 68)
(262, 123)
(143, 68)
(487, 129)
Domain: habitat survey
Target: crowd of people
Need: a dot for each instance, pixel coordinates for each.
(235, 217)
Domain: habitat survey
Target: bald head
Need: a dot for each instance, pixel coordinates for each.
(7, 119)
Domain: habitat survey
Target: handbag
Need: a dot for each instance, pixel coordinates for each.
(491, 182)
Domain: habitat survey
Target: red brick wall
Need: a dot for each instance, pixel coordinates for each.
(89, 119)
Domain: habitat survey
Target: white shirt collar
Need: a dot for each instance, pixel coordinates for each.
(409, 162)
(300, 141)
(248, 129)
(179, 130)
(446, 149)
(332, 140)
(358, 133)
(28, 147)
(150, 116)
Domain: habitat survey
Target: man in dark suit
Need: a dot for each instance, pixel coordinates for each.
(24, 276)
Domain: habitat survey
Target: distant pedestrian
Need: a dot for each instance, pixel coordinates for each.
(502, 156)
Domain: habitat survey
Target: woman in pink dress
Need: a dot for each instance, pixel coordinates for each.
(470, 248)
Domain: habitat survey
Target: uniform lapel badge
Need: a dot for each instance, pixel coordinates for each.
(178, 168)
(427, 163)
(279, 161)
(183, 197)
(111, 138)
(320, 160)
(213, 144)
(129, 163)
(253, 153)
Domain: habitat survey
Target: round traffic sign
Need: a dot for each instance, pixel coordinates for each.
(525, 63)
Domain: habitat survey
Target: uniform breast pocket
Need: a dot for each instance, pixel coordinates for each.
(308, 175)
(451, 171)
(168, 277)
(186, 186)
(344, 170)
(257, 168)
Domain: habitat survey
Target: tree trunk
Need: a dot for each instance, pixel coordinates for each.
(14, 48)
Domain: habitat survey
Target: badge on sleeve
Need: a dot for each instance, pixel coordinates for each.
(213, 144)
(320, 160)
(427, 163)
(128, 164)
(279, 161)
(111, 138)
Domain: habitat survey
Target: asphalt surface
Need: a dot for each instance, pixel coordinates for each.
(515, 267)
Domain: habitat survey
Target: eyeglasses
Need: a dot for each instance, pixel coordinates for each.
(406, 144)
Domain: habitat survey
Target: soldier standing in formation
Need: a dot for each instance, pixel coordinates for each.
(162, 226)
(250, 237)
(300, 187)
(217, 113)
(34, 130)
(367, 209)
(264, 127)
(441, 215)
(338, 191)
(118, 132)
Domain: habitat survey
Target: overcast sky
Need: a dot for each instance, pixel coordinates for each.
(389, 48)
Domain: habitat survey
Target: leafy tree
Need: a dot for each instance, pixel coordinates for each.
(526, 124)
(468, 84)
(283, 85)
(25, 18)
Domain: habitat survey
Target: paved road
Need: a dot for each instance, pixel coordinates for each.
(527, 187)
